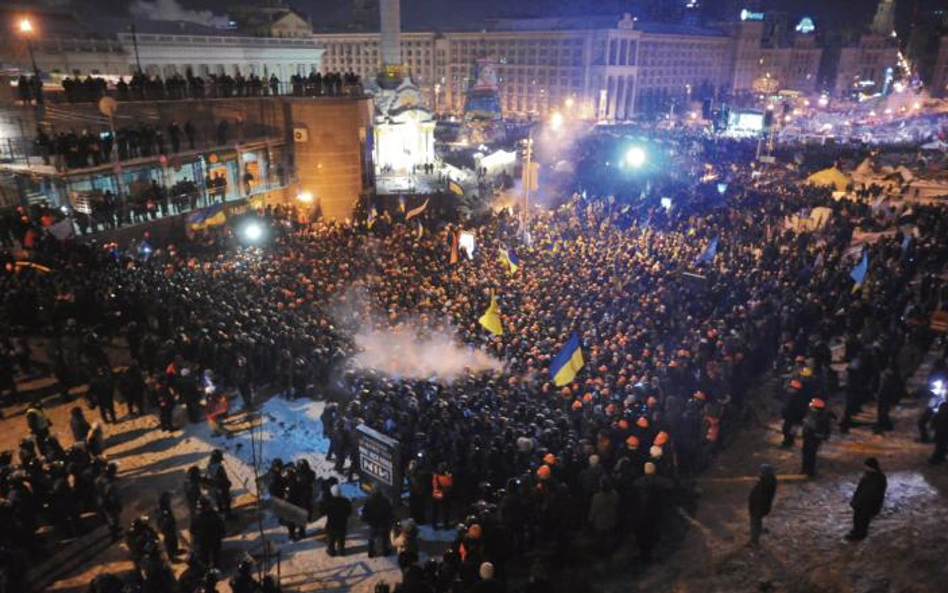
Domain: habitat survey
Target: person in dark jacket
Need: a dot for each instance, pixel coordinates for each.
(889, 392)
(338, 509)
(867, 499)
(168, 525)
(378, 514)
(760, 501)
(132, 387)
(79, 425)
(102, 392)
(816, 430)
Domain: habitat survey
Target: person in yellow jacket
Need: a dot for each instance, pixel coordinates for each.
(442, 489)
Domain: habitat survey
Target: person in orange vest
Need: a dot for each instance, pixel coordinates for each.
(442, 488)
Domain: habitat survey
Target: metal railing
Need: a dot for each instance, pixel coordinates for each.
(81, 93)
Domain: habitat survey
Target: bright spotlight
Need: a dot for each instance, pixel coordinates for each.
(305, 197)
(253, 232)
(635, 157)
(556, 120)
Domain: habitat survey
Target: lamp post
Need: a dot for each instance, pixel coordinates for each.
(26, 29)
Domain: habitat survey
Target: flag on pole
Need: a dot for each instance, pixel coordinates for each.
(416, 211)
(454, 247)
(491, 318)
(568, 362)
(370, 221)
(709, 252)
(510, 259)
(858, 273)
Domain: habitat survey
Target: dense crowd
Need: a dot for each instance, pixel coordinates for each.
(673, 340)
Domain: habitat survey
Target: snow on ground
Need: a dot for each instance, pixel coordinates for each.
(292, 430)
(288, 430)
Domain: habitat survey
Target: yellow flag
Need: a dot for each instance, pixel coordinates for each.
(491, 319)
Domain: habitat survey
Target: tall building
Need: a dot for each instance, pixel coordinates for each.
(868, 65)
(600, 67)
(883, 23)
(939, 77)
(769, 56)
(65, 44)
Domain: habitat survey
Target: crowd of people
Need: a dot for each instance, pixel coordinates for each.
(91, 148)
(674, 334)
(145, 87)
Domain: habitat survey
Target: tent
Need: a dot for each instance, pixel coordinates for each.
(829, 177)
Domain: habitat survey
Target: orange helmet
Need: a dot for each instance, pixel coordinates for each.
(661, 438)
(549, 459)
(544, 472)
(817, 404)
(577, 404)
(587, 398)
(796, 384)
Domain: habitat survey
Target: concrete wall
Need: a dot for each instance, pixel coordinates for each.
(330, 162)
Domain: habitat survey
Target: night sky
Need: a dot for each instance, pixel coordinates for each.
(447, 14)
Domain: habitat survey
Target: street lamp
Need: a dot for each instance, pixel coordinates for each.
(26, 29)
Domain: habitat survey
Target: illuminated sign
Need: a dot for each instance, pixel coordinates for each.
(806, 25)
(747, 15)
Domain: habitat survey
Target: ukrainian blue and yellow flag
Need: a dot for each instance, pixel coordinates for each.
(490, 320)
(568, 362)
(206, 218)
(858, 273)
(509, 258)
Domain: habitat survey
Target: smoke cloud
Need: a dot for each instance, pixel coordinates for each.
(416, 348)
(170, 10)
(408, 351)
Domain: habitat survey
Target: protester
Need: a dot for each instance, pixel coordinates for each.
(760, 501)
(867, 499)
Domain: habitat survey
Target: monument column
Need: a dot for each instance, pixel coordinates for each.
(390, 16)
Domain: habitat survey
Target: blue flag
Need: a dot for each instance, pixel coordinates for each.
(567, 363)
(906, 242)
(858, 273)
(709, 252)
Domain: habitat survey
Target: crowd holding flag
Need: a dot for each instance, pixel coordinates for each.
(491, 318)
(568, 362)
(709, 252)
(858, 273)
